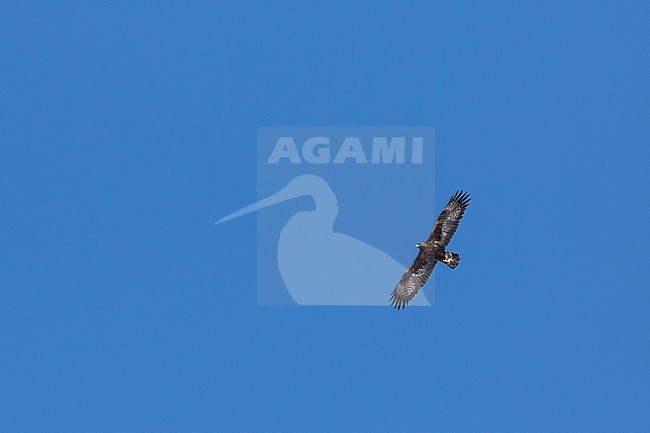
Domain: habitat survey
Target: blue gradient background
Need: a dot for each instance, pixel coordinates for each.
(127, 130)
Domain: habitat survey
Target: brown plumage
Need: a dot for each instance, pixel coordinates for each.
(432, 251)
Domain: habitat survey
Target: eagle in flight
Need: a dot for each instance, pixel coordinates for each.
(432, 251)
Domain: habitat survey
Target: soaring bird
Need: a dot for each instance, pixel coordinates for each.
(432, 251)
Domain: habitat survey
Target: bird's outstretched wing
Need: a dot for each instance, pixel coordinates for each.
(447, 222)
(412, 281)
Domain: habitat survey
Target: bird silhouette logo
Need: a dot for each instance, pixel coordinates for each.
(320, 266)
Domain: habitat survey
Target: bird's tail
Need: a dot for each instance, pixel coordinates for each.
(451, 259)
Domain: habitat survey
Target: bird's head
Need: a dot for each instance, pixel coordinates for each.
(303, 185)
(419, 246)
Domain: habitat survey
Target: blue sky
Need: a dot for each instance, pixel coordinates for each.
(128, 130)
